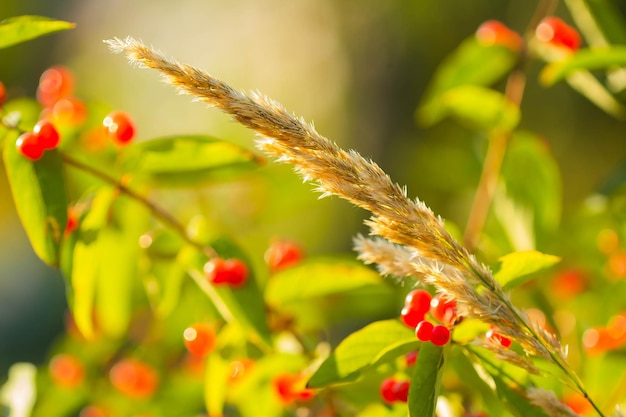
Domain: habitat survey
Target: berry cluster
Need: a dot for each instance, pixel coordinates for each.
(393, 390)
(44, 136)
(232, 272)
(417, 304)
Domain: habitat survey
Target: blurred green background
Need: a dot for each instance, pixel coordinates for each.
(357, 68)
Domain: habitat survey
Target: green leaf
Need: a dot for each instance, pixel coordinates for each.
(528, 163)
(118, 251)
(186, 160)
(471, 64)
(518, 267)
(481, 107)
(426, 381)
(15, 30)
(318, 277)
(38, 190)
(84, 273)
(585, 59)
(374, 344)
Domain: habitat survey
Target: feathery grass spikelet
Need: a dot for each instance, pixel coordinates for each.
(549, 403)
(421, 242)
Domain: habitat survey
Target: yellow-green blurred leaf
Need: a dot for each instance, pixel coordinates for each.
(517, 267)
(15, 30)
(84, 275)
(585, 59)
(472, 63)
(481, 107)
(186, 160)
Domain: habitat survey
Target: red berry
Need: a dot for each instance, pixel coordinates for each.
(54, 84)
(424, 330)
(418, 300)
(492, 334)
(411, 317)
(226, 271)
(386, 390)
(66, 370)
(29, 146)
(440, 335)
(400, 391)
(47, 134)
(3, 93)
(555, 31)
(120, 126)
(411, 358)
(134, 378)
(282, 254)
(199, 339)
(291, 388)
(493, 32)
(443, 310)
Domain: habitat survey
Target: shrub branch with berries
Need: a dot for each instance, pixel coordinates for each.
(172, 317)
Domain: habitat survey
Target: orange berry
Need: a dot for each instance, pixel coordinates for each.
(69, 111)
(239, 368)
(569, 283)
(577, 403)
(66, 370)
(617, 264)
(493, 32)
(200, 339)
(72, 221)
(54, 84)
(134, 378)
(607, 241)
(493, 335)
(120, 126)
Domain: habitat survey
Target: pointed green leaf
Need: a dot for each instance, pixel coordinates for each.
(529, 162)
(20, 29)
(471, 64)
(426, 381)
(319, 277)
(216, 374)
(186, 160)
(38, 190)
(585, 59)
(518, 267)
(372, 345)
(481, 107)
